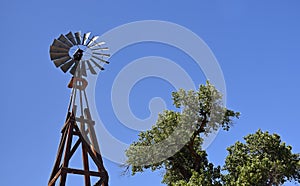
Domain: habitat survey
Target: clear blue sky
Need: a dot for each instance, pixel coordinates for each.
(257, 44)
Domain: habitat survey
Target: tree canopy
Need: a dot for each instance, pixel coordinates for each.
(174, 145)
(263, 160)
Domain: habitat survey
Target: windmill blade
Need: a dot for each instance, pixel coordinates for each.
(71, 37)
(104, 61)
(99, 66)
(54, 49)
(78, 38)
(54, 56)
(83, 69)
(91, 68)
(104, 48)
(98, 44)
(107, 55)
(60, 44)
(65, 67)
(74, 68)
(94, 38)
(61, 61)
(85, 37)
(65, 40)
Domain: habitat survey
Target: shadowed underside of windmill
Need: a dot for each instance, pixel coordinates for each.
(81, 56)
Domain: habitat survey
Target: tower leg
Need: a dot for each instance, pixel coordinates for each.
(85, 160)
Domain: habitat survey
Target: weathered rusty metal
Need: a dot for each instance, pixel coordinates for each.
(66, 151)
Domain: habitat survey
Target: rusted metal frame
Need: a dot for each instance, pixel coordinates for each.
(86, 167)
(74, 148)
(99, 183)
(67, 152)
(78, 133)
(91, 130)
(70, 128)
(70, 116)
(81, 172)
(93, 136)
(86, 100)
(83, 133)
(74, 100)
(95, 147)
(89, 121)
(71, 100)
(66, 122)
(53, 180)
(81, 102)
(104, 175)
(92, 153)
(82, 119)
(74, 110)
(83, 130)
(58, 156)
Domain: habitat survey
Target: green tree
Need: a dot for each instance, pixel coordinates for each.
(263, 160)
(201, 113)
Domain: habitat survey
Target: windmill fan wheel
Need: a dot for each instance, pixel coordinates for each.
(76, 52)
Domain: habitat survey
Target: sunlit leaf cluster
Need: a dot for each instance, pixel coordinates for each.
(262, 160)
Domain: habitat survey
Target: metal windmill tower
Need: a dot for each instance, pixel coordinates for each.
(81, 55)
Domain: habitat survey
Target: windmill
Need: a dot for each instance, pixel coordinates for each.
(81, 56)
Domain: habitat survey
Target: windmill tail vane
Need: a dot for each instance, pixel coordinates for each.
(81, 56)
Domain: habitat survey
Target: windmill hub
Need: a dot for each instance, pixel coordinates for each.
(80, 52)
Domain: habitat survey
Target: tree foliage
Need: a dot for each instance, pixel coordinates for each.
(262, 160)
(203, 112)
